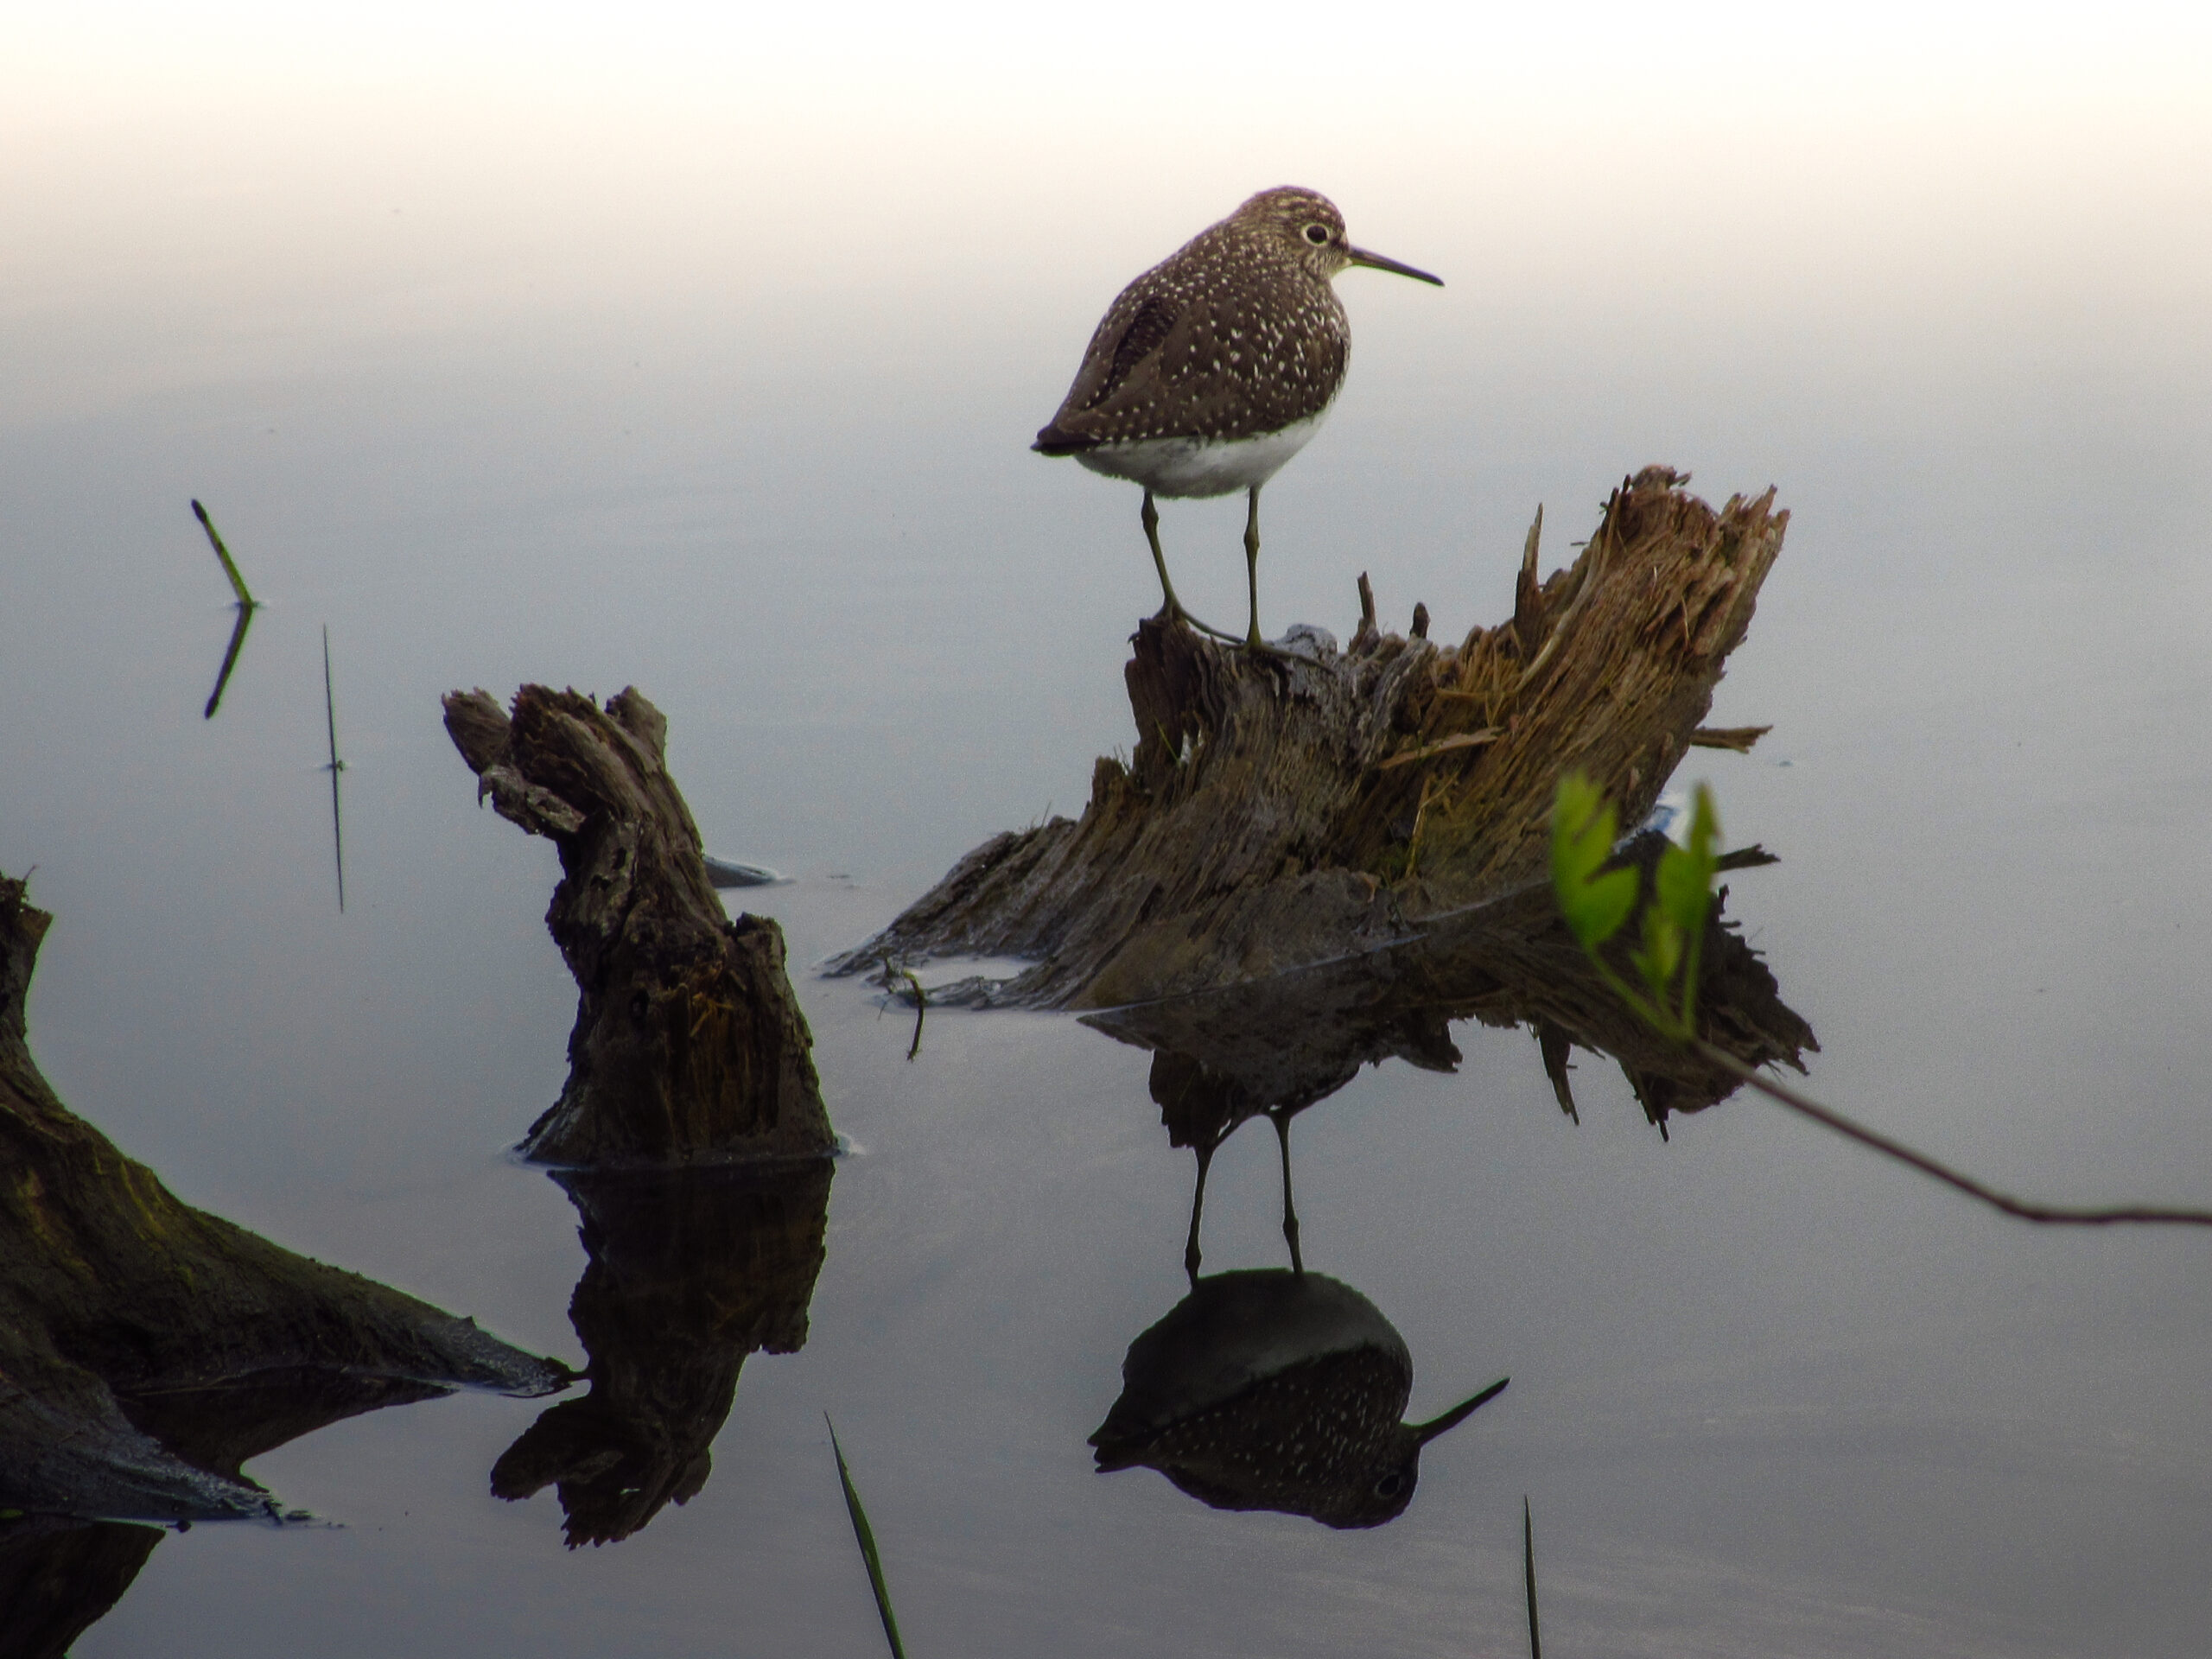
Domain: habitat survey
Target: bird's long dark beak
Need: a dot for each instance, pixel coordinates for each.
(1424, 1433)
(1376, 262)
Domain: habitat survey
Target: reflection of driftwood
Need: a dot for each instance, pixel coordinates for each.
(1284, 1043)
(57, 1578)
(1277, 1046)
(148, 1348)
(688, 1042)
(1281, 810)
(690, 1271)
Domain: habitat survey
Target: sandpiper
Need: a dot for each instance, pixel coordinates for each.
(1217, 364)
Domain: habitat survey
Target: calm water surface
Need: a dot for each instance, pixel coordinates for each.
(1769, 1394)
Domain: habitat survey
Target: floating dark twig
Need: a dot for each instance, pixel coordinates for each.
(921, 999)
(1737, 738)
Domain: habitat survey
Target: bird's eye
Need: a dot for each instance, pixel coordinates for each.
(1317, 234)
(1390, 1485)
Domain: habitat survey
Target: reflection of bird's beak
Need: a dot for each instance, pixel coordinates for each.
(1424, 1433)
(1376, 262)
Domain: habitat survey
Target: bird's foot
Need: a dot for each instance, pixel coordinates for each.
(1174, 613)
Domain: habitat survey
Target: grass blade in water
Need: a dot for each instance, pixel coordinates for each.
(1529, 1571)
(246, 600)
(865, 1538)
(230, 660)
(336, 766)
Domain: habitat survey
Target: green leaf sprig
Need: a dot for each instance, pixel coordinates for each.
(1598, 902)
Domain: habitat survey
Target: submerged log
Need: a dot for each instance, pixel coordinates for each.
(688, 1045)
(1283, 809)
(148, 1348)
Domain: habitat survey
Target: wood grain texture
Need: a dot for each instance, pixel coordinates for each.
(1282, 810)
(688, 1045)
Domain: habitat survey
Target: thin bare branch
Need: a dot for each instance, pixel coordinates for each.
(2043, 1214)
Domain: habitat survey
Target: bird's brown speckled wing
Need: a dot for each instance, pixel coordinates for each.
(1147, 333)
(1134, 328)
(1218, 342)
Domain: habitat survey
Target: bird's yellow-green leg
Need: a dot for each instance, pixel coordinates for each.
(1252, 639)
(1173, 606)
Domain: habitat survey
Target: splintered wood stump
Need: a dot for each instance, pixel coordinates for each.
(688, 1045)
(1285, 809)
(148, 1348)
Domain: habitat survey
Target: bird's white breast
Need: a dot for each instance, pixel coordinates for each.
(1202, 466)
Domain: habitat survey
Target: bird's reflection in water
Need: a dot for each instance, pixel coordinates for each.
(1284, 1390)
(1275, 1389)
(690, 1271)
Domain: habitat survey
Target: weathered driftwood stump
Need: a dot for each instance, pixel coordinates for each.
(1283, 810)
(691, 1271)
(148, 1348)
(688, 1045)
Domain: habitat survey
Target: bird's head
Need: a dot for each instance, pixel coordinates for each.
(1306, 225)
(1381, 1491)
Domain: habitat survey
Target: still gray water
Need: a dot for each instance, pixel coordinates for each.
(1769, 1392)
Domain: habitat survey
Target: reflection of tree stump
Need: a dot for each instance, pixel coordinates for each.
(1278, 1045)
(148, 1350)
(688, 1043)
(60, 1580)
(691, 1271)
(1284, 810)
(1283, 1044)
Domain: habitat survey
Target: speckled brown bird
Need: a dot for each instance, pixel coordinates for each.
(1217, 364)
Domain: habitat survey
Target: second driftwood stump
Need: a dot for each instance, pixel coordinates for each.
(688, 1045)
(148, 1350)
(1284, 809)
